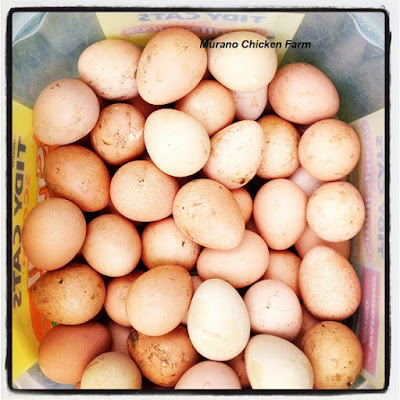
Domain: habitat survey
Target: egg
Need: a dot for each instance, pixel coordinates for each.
(208, 214)
(65, 351)
(243, 198)
(209, 375)
(143, 106)
(164, 243)
(211, 103)
(65, 111)
(275, 363)
(280, 157)
(250, 105)
(329, 285)
(240, 266)
(140, 191)
(53, 233)
(232, 64)
(109, 67)
(284, 266)
(307, 182)
(118, 134)
(117, 290)
(77, 174)
(329, 150)
(335, 353)
(235, 155)
(163, 359)
(218, 322)
(303, 94)
(111, 370)
(119, 337)
(172, 64)
(274, 309)
(336, 211)
(159, 299)
(177, 143)
(239, 366)
(70, 295)
(280, 213)
(196, 281)
(308, 322)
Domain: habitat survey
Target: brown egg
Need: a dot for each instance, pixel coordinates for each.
(308, 322)
(329, 150)
(209, 375)
(335, 353)
(284, 266)
(303, 94)
(211, 103)
(309, 239)
(117, 291)
(119, 337)
(250, 105)
(140, 191)
(112, 245)
(118, 135)
(274, 309)
(70, 295)
(158, 300)
(329, 285)
(79, 175)
(280, 157)
(143, 106)
(207, 212)
(65, 351)
(243, 198)
(196, 281)
(336, 211)
(240, 266)
(53, 233)
(164, 243)
(65, 111)
(111, 370)
(280, 213)
(172, 64)
(163, 359)
(307, 182)
(239, 366)
(109, 67)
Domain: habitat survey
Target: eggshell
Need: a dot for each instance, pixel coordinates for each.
(308, 322)
(335, 353)
(172, 64)
(111, 370)
(119, 337)
(70, 295)
(143, 106)
(309, 239)
(117, 290)
(280, 213)
(163, 359)
(306, 181)
(118, 135)
(197, 281)
(275, 363)
(235, 155)
(329, 150)
(53, 233)
(65, 111)
(79, 175)
(239, 366)
(336, 211)
(240, 266)
(140, 191)
(177, 143)
(280, 157)
(164, 243)
(233, 66)
(65, 351)
(243, 198)
(218, 322)
(303, 94)
(329, 285)
(209, 375)
(158, 300)
(284, 266)
(207, 212)
(250, 105)
(211, 103)
(274, 308)
(109, 67)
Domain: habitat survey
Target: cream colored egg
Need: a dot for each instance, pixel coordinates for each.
(243, 198)
(250, 105)
(275, 363)
(307, 182)
(235, 155)
(218, 322)
(240, 66)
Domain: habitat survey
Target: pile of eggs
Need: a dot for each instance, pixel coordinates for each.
(187, 242)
